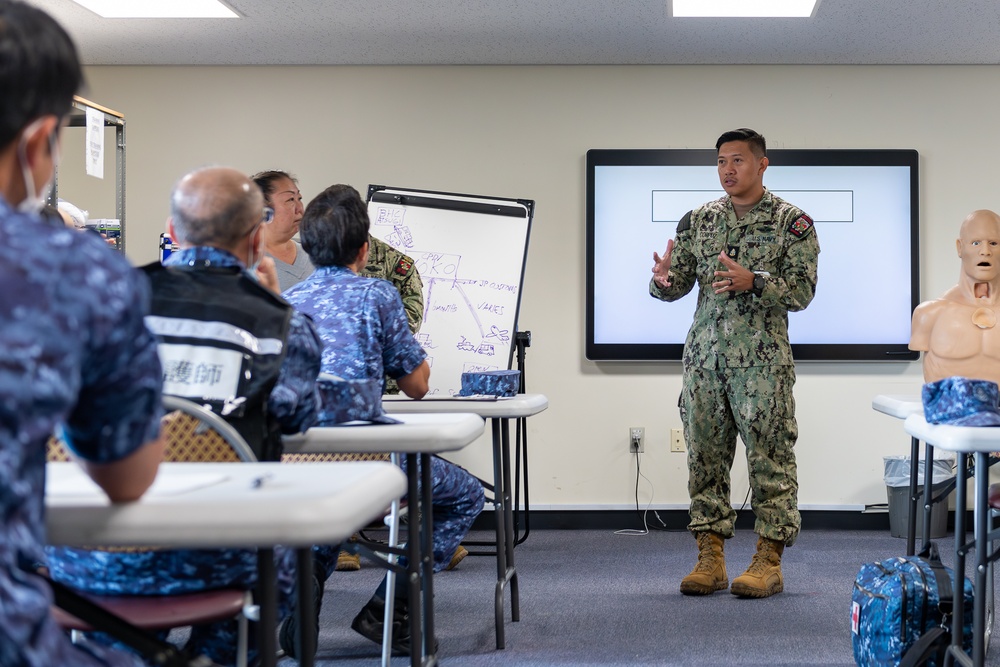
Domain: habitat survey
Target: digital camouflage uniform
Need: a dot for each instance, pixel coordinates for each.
(738, 367)
(387, 263)
(73, 353)
(293, 401)
(365, 335)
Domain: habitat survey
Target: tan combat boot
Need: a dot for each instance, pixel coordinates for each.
(709, 573)
(763, 578)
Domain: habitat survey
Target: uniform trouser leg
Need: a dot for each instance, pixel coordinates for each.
(710, 433)
(764, 408)
(757, 403)
(457, 501)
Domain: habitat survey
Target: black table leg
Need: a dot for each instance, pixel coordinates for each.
(928, 493)
(267, 600)
(911, 523)
(982, 485)
(958, 617)
(414, 565)
(427, 564)
(510, 574)
(306, 628)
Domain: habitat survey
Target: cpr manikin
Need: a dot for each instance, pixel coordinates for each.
(958, 332)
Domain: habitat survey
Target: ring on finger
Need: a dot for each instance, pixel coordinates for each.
(730, 282)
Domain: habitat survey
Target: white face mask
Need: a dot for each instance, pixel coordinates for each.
(33, 201)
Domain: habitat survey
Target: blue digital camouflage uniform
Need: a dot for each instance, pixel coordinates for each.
(365, 335)
(73, 351)
(738, 367)
(387, 263)
(294, 401)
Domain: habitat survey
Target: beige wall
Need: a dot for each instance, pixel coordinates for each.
(523, 132)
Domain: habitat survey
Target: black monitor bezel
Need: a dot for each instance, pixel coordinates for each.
(890, 351)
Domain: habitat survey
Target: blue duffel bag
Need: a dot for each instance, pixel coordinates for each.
(898, 601)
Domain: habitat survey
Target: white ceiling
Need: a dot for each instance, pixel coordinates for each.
(522, 32)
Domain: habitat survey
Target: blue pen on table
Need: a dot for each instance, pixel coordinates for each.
(258, 482)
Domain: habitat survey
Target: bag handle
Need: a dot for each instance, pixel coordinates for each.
(933, 644)
(946, 592)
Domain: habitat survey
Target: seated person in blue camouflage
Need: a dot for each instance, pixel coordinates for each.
(281, 192)
(217, 214)
(74, 354)
(365, 335)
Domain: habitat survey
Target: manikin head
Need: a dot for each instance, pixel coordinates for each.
(978, 247)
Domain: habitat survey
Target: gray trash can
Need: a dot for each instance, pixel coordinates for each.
(897, 486)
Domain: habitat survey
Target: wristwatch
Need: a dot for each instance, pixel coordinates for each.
(758, 285)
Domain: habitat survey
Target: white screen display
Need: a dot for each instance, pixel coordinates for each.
(863, 206)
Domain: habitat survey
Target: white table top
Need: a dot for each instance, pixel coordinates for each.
(521, 405)
(423, 433)
(216, 505)
(898, 405)
(968, 439)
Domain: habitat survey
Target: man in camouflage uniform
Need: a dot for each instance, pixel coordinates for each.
(387, 263)
(216, 217)
(366, 336)
(753, 257)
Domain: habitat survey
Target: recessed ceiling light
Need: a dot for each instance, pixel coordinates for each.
(159, 9)
(743, 8)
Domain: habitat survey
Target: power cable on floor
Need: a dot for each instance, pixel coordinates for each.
(645, 525)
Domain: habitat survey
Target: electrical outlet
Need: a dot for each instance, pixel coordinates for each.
(677, 440)
(637, 439)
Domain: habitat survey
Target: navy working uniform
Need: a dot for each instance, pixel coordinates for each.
(365, 334)
(73, 351)
(738, 367)
(205, 276)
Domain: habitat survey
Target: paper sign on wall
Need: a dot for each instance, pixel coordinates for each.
(95, 143)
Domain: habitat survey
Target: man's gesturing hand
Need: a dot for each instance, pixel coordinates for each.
(661, 265)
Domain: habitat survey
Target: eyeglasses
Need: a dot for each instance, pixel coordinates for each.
(268, 215)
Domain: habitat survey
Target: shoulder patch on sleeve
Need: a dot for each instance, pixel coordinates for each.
(685, 222)
(403, 266)
(801, 225)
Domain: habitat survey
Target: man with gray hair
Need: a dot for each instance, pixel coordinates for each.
(227, 341)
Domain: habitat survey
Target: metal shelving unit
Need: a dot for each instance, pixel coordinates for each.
(78, 118)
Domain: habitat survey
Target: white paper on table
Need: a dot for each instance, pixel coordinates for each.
(165, 485)
(399, 398)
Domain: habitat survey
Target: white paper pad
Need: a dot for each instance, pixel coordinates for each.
(165, 485)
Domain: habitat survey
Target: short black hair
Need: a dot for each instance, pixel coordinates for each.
(39, 68)
(754, 139)
(334, 226)
(265, 180)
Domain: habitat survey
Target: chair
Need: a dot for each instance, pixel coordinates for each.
(193, 434)
(392, 519)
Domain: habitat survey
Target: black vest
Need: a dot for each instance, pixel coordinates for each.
(221, 338)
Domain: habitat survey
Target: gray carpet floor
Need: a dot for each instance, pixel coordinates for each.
(593, 597)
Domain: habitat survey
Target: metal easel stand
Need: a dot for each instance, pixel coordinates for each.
(522, 340)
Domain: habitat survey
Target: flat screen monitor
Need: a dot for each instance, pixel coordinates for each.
(863, 203)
